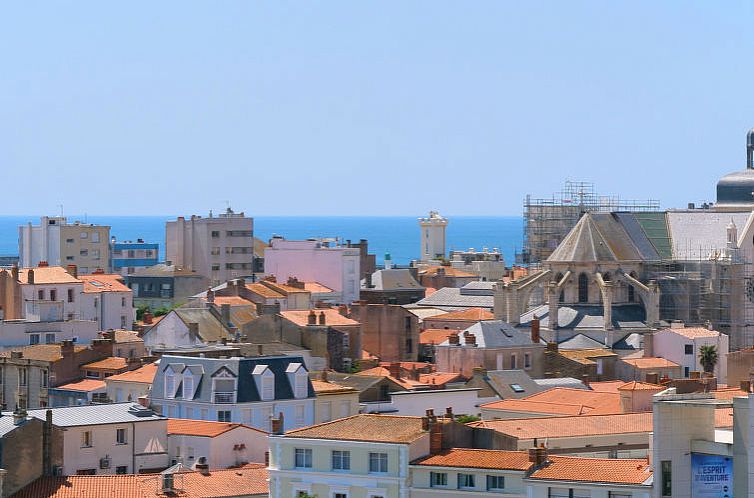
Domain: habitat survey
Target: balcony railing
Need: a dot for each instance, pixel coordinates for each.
(225, 397)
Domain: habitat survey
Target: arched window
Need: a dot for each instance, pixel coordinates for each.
(631, 293)
(583, 288)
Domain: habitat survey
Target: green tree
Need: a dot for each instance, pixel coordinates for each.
(465, 419)
(708, 357)
(140, 310)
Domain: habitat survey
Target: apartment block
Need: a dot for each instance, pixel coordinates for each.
(126, 256)
(60, 243)
(220, 248)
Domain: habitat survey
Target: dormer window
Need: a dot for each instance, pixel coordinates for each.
(299, 380)
(169, 384)
(188, 385)
(265, 381)
(224, 386)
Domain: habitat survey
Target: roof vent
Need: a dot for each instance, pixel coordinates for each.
(140, 411)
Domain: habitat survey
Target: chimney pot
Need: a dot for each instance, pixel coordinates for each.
(746, 386)
(535, 330)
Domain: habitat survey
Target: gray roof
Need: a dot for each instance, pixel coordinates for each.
(580, 341)
(496, 334)
(502, 382)
(211, 328)
(479, 285)
(6, 424)
(394, 279)
(631, 342)
(112, 413)
(695, 234)
(451, 297)
(587, 316)
(240, 368)
(163, 270)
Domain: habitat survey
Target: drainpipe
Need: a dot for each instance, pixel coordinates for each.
(133, 449)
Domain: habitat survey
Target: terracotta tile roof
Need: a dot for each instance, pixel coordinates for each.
(650, 362)
(693, 332)
(365, 427)
(102, 282)
(440, 378)
(41, 352)
(87, 385)
(563, 401)
(435, 336)
(604, 470)
(125, 336)
(316, 287)
(205, 428)
(264, 291)
(431, 271)
(579, 426)
(332, 317)
(283, 288)
(585, 355)
(478, 459)
(728, 392)
(323, 387)
(606, 386)
(384, 372)
(641, 386)
(47, 275)
(143, 374)
(111, 363)
(233, 301)
(470, 314)
(250, 480)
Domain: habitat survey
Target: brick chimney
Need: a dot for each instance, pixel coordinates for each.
(585, 379)
(322, 318)
(210, 295)
(435, 435)
(395, 370)
(311, 318)
(469, 339)
(535, 330)
(43, 264)
(449, 413)
(73, 270)
(30, 276)
(277, 425)
(147, 318)
(98, 271)
(66, 347)
(745, 386)
(653, 378)
(343, 310)
(538, 455)
(453, 339)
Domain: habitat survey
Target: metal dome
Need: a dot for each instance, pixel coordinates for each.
(738, 188)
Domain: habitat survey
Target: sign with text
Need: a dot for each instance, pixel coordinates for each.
(711, 476)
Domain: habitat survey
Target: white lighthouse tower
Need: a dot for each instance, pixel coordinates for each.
(432, 236)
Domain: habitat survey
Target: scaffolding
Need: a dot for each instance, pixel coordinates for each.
(548, 220)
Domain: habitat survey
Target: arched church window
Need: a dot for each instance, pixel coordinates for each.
(583, 288)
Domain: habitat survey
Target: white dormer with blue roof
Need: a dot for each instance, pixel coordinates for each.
(239, 390)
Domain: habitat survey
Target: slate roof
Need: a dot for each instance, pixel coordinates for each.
(452, 297)
(587, 316)
(501, 380)
(112, 413)
(241, 368)
(630, 342)
(496, 334)
(394, 279)
(211, 328)
(580, 341)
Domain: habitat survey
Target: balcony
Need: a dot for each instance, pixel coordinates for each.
(225, 397)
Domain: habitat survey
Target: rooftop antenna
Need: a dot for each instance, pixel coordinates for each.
(61, 210)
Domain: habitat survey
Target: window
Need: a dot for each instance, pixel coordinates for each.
(340, 495)
(188, 386)
(86, 439)
(215, 234)
(91, 374)
(341, 460)
(22, 377)
(69, 241)
(95, 236)
(303, 458)
(70, 295)
(95, 253)
(667, 477)
(120, 436)
(122, 321)
(300, 419)
(53, 295)
(527, 361)
(378, 462)
(84, 235)
(686, 372)
(43, 377)
(84, 252)
(268, 387)
(600, 366)
(517, 388)
(223, 415)
(301, 380)
(514, 362)
(203, 413)
(495, 483)
(215, 251)
(465, 481)
(169, 384)
(189, 412)
(583, 288)
(121, 469)
(613, 494)
(33, 338)
(41, 294)
(86, 472)
(438, 479)
(69, 258)
(123, 302)
(688, 348)
(50, 338)
(631, 294)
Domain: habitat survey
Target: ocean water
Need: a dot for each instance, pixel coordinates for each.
(398, 235)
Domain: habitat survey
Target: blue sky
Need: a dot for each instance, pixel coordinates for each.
(360, 108)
